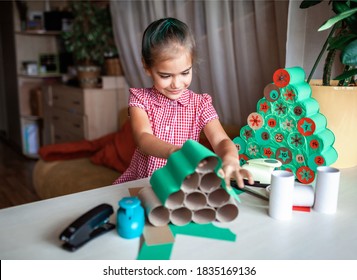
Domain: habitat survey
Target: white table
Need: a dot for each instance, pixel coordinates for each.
(31, 231)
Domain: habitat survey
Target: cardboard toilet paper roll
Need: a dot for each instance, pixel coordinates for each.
(326, 189)
(210, 182)
(227, 212)
(157, 214)
(281, 195)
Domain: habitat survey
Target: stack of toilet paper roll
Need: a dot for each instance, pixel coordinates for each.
(188, 188)
(288, 126)
(285, 193)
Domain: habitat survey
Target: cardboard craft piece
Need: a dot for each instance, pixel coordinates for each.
(191, 188)
(288, 127)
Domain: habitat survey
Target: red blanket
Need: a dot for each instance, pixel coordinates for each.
(113, 150)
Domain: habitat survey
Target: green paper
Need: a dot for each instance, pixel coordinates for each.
(168, 179)
(307, 107)
(163, 251)
(324, 158)
(155, 252)
(206, 230)
(297, 75)
(321, 141)
(300, 91)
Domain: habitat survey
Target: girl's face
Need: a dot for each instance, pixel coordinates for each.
(173, 76)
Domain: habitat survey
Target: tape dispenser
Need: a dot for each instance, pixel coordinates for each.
(261, 169)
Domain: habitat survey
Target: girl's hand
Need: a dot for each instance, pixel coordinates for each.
(232, 169)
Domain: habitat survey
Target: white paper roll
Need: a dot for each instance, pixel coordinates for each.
(326, 189)
(304, 195)
(281, 195)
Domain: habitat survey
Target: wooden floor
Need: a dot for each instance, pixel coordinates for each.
(15, 177)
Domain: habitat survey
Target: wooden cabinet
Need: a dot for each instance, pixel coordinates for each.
(72, 114)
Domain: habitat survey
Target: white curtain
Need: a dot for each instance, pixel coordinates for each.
(240, 45)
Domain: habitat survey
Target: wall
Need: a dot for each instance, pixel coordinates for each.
(9, 120)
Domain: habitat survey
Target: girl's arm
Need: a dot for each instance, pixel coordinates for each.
(227, 151)
(144, 138)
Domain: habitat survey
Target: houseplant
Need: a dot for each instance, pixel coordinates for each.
(342, 37)
(337, 97)
(90, 38)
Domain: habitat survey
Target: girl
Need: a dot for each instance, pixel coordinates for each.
(165, 116)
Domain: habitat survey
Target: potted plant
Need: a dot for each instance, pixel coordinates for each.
(89, 39)
(337, 97)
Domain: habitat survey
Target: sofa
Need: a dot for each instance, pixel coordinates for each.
(84, 165)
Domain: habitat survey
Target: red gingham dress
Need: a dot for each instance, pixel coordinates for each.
(173, 121)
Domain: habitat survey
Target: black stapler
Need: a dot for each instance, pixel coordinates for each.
(92, 224)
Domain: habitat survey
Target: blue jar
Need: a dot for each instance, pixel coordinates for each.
(130, 218)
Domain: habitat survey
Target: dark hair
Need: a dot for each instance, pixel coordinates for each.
(162, 37)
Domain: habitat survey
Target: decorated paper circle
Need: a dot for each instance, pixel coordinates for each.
(306, 126)
(298, 110)
(299, 158)
(289, 95)
(287, 124)
(314, 144)
(281, 78)
(252, 150)
(284, 155)
(271, 121)
(255, 121)
(296, 140)
(305, 175)
(268, 152)
(263, 106)
(280, 108)
(246, 133)
(271, 92)
(279, 137)
(243, 159)
(316, 160)
(240, 144)
(262, 136)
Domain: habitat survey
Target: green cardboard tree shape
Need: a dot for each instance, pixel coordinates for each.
(288, 126)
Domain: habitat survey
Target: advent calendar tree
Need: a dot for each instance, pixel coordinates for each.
(288, 127)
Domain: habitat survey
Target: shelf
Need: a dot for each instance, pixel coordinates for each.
(31, 117)
(39, 32)
(41, 76)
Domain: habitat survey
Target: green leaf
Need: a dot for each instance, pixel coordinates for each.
(340, 42)
(347, 74)
(349, 54)
(332, 21)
